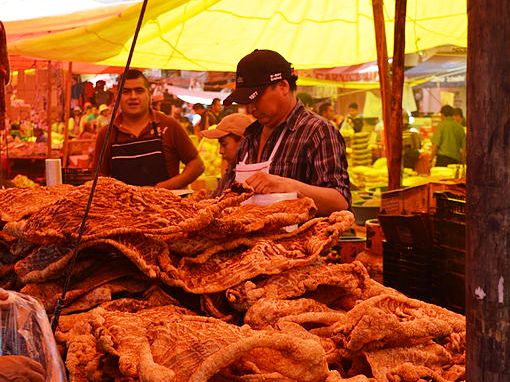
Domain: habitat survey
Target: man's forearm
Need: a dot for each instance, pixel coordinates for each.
(327, 200)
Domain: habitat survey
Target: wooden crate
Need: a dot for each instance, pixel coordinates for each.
(406, 201)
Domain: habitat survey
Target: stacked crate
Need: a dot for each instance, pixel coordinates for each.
(450, 242)
(408, 255)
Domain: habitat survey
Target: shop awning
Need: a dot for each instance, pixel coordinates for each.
(215, 34)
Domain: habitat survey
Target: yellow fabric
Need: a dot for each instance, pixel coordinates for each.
(215, 34)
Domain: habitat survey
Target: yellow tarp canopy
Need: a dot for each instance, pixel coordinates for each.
(214, 34)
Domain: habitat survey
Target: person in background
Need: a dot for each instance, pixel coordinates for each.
(353, 119)
(39, 135)
(411, 143)
(103, 119)
(449, 140)
(203, 124)
(327, 112)
(215, 111)
(157, 100)
(74, 122)
(288, 148)
(88, 93)
(458, 116)
(146, 147)
(87, 116)
(229, 133)
(102, 96)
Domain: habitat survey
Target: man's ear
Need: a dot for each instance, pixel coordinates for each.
(284, 86)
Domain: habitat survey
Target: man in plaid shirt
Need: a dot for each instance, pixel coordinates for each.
(304, 152)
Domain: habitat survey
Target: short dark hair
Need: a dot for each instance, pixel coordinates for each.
(447, 111)
(458, 111)
(323, 107)
(198, 106)
(133, 74)
(215, 100)
(165, 107)
(353, 105)
(292, 80)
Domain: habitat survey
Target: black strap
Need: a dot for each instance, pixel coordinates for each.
(115, 134)
(70, 266)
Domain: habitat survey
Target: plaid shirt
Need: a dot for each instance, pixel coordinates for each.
(312, 152)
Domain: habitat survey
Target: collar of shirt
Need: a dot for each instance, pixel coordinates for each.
(254, 131)
(153, 117)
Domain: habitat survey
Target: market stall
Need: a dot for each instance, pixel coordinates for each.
(488, 221)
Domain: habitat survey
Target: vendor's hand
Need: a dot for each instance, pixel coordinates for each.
(19, 368)
(264, 183)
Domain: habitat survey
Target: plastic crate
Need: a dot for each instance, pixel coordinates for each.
(402, 231)
(416, 199)
(450, 206)
(450, 233)
(410, 271)
(450, 260)
(76, 176)
(449, 268)
(454, 292)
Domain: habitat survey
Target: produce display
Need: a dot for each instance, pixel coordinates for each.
(361, 154)
(209, 152)
(189, 289)
(21, 181)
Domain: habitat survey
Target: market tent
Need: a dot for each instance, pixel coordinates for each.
(215, 34)
(25, 19)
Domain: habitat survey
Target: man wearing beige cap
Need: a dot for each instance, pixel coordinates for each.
(229, 133)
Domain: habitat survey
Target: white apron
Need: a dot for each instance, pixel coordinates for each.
(245, 170)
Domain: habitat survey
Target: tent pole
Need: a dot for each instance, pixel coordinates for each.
(397, 89)
(384, 79)
(488, 191)
(48, 112)
(4, 79)
(67, 112)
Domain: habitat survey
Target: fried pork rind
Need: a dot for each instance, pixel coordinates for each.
(394, 321)
(266, 312)
(19, 203)
(348, 281)
(159, 344)
(118, 208)
(430, 355)
(309, 320)
(218, 268)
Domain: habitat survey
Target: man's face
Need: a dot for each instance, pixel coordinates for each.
(216, 107)
(228, 148)
(269, 108)
(329, 114)
(135, 98)
(176, 112)
(352, 111)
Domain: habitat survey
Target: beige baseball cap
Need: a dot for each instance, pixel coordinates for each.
(232, 124)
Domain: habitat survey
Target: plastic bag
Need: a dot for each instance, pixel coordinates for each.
(25, 330)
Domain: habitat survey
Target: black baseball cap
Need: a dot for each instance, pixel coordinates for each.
(255, 72)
